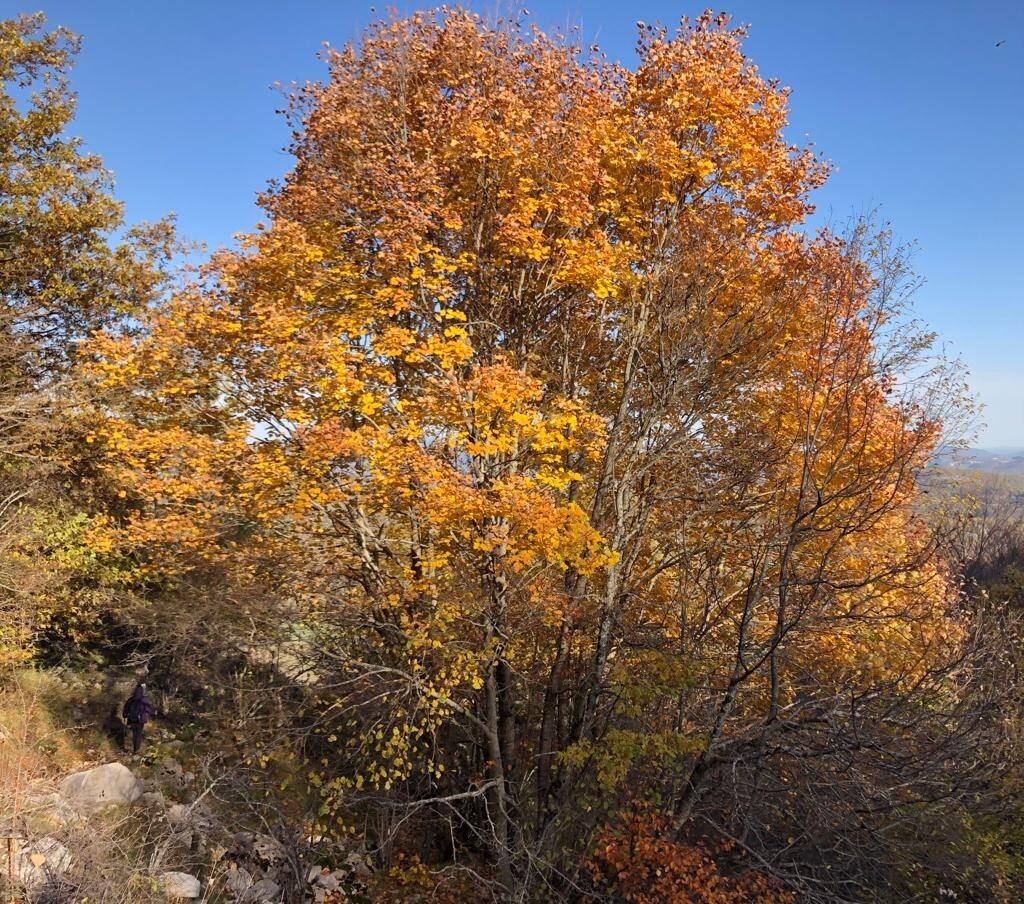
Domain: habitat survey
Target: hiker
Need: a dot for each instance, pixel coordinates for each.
(137, 712)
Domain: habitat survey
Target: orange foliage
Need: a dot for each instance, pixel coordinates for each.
(537, 405)
(638, 863)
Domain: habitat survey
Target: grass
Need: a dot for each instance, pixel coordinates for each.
(52, 724)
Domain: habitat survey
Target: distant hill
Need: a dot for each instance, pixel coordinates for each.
(992, 461)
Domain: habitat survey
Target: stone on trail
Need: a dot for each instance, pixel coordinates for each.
(238, 881)
(106, 785)
(268, 848)
(41, 862)
(266, 891)
(178, 815)
(172, 774)
(154, 799)
(51, 808)
(180, 885)
(330, 881)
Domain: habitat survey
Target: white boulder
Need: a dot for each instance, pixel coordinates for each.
(180, 885)
(111, 783)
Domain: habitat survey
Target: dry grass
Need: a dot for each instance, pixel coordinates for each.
(41, 740)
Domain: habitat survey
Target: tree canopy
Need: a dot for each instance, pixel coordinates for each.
(575, 476)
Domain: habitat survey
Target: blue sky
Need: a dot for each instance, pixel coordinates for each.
(914, 104)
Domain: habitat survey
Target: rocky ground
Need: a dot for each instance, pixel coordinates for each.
(148, 828)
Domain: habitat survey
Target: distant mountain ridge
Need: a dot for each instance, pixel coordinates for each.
(992, 461)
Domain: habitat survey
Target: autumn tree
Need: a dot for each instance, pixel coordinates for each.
(581, 472)
(61, 277)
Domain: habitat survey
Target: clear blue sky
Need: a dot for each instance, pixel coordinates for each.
(913, 102)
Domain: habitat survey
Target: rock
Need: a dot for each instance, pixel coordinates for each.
(330, 881)
(356, 862)
(268, 848)
(178, 815)
(183, 837)
(111, 783)
(238, 881)
(180, 885)
(242, 841)
(42, 862)
(170, 772)
(154, 799)
(201, 845)
(52, 808)
(266, 891)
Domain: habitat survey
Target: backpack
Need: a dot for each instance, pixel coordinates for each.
(137, 710)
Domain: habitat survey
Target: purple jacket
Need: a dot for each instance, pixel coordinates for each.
(137, 708)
